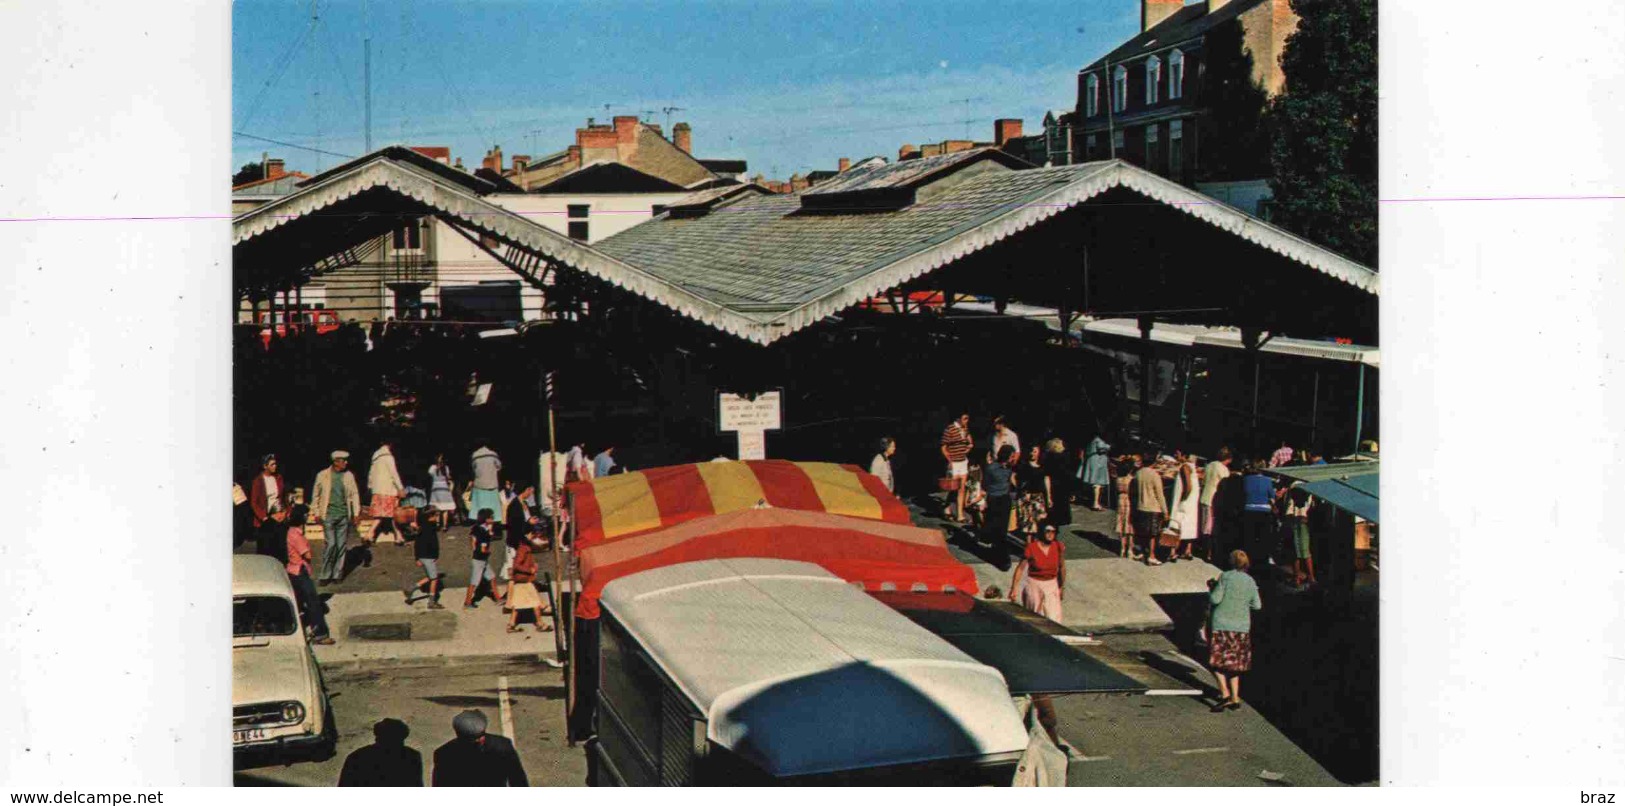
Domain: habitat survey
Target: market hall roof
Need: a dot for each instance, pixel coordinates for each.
(785, 266)
(763, 268)
(341, 210)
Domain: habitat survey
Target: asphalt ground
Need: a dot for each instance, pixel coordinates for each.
(1311, 710)
(527, 697)
(1118, 740)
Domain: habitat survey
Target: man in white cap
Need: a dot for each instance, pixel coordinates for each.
(338, 504)
(477, 758)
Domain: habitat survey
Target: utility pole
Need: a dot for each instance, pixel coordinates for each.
(366, 78)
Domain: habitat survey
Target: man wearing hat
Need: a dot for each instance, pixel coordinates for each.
(335, 499)
(477, 758)
(268, 498)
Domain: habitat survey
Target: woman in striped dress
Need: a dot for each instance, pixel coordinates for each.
(1125, 510)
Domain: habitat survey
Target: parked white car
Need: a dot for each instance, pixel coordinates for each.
(279, 702)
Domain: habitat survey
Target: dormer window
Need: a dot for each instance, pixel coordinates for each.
(1120, 89)
(1153, 79)
(1176, 75)
(1091, 95)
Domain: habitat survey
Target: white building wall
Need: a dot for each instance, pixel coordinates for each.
(608, 213)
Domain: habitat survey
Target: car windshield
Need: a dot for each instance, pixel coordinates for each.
(262, 615)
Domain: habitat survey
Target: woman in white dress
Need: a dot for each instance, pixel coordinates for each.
(1182, 514)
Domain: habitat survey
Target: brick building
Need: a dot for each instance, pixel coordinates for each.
(1148, 100)
(627, 141)
(1048, 147)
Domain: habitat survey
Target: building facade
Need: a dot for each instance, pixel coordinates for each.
(1150, 101)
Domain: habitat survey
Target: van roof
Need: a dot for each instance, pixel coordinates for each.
(803, 673)
(256, 575)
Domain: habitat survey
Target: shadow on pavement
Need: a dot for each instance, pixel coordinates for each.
(251, 779)
(463, 701)
(1315, 667)
(995, 555)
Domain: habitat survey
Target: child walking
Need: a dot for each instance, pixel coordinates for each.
(479, 568)
(425, 536)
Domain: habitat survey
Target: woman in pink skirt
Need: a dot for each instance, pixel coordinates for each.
(1038, 584)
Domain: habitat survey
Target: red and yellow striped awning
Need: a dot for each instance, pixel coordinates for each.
(633, 503)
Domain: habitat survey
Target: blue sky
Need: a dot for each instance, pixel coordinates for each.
(790, 87)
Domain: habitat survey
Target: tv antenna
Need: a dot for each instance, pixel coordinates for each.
(668, 110)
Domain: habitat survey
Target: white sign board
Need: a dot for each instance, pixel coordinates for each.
(750, 419)
(752, 445)
(740, 414)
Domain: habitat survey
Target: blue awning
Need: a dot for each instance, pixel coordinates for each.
(1355, 494)
(1350, 486)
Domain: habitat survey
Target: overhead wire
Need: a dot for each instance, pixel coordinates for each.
(279, 67)
(292, 145)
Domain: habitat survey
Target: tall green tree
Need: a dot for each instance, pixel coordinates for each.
(250, 172)
(1323, 128)
(1232, 138)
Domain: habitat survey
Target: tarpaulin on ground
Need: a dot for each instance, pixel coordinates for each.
(614, 507)
(875, 554)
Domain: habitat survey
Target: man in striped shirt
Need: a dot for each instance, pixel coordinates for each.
(956, 445)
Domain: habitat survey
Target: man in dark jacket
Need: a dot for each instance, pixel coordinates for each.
(477, 758)
(269, 499)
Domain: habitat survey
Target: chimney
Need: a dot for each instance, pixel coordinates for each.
(520, 161)
(683, 137)
(1005, 130)
(274, 168)
(844, 164)
(626, 128)
(1155, 11)
(459, 165)
(907, 151)
(493, 159)
(572, 155)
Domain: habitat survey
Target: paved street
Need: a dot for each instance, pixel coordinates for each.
(1121, 740)
(395, 660)
(426, 699)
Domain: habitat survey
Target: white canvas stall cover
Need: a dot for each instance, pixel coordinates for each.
(801, 673)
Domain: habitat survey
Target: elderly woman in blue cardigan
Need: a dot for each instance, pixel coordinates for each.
(1234, 597)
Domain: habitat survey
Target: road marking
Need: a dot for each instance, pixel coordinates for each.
(1196, 750)
(506, 705)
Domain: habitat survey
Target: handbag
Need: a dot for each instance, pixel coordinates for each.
(1170, 535)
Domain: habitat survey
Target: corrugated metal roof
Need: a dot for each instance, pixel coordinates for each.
(880, 175)
(802, 673)
(762, 268)
(766, 260)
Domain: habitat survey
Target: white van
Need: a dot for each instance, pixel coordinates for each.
(772, 672)
(279, 702)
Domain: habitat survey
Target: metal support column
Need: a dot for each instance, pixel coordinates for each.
(1250, 341)
(1359, 409)
(1314, 412)
(1147, 369)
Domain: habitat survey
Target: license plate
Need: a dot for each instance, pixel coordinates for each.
(250, 735)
